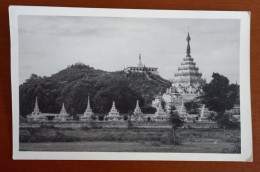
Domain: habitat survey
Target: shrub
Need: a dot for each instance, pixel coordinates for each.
(60, 137)
(85, 128)
(156, 144)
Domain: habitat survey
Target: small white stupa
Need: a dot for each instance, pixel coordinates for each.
(113, 112)
(36, 110)
(137, 113)
(63, 115)
(36, 115)
(113, 115)
(88, 113)
(160, 111)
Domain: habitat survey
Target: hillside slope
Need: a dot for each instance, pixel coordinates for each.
(73, 85)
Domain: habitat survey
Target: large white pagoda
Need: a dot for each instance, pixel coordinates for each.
(187, 80)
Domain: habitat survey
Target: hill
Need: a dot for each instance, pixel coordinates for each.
(73, 85)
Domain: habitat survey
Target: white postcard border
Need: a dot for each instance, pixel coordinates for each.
(245, 106)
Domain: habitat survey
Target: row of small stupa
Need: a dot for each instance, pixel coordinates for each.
(112, 115)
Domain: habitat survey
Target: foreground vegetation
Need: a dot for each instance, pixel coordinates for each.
(134, 140)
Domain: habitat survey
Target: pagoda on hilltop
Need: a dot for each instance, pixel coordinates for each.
(88, 113)
(137, 115)
(141, 68)
(113, 115)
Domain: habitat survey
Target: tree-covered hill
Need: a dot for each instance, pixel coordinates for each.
(73, 85)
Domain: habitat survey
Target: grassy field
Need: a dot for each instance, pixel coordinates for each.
(130, 140)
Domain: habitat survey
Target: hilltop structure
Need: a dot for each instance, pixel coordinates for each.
(141, 68)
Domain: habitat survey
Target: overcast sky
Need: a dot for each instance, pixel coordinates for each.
(48, 44)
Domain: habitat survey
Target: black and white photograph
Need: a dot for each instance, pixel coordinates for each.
(130, 84)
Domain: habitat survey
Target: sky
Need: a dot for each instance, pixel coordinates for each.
(48, 44)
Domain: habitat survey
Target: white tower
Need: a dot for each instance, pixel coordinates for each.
(36, 110)
(88, 112)
(113, 112)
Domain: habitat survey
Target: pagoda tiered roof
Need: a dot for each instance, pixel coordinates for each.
(188, 72)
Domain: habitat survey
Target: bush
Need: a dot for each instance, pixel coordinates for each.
(192, 107)
(60, 137)
(156, 144)
(85, 128)
(24, 136)
(237, 146)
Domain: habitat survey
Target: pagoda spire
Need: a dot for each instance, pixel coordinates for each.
(137, 109)
(63, 110)
(137, 104)
(113, 106)
(140, 61)
(113, 112)
(88, 112)
(36, 107)
(63, 113)
(88, 107)
(137, 113)
(188, 45)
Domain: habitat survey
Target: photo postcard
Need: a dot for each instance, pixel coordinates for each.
(122, 84)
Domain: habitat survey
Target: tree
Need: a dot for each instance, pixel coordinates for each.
(175, 121)
(129, 119)
(220, 96)
(192, 107)
(148, 109)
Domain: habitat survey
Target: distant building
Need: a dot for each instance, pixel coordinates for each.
(141, 68)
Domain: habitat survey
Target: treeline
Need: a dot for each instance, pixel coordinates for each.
(74, 84)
